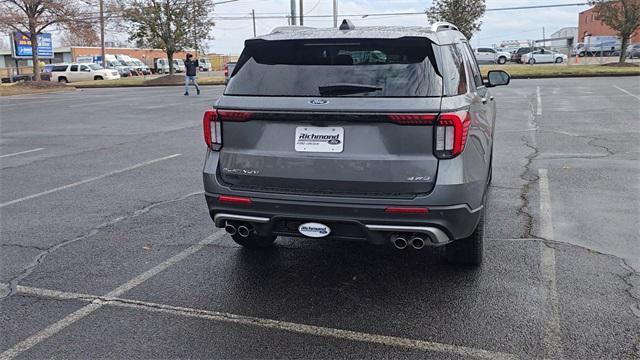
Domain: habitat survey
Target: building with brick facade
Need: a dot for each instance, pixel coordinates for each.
(589, 24)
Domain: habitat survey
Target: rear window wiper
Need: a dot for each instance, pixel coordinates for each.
(346, 88)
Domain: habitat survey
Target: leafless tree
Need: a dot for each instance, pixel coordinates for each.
(33, 17)
(171, 25)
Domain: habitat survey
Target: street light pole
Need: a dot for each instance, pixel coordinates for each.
(335, 13)
(293, 12)
(301, 13)
(253, 15)
(102, 52)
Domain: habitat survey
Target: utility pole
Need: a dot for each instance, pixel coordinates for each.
(544, 39)
(102, 52)
(335, 13)
(301, 12)
(253, 15)
(293, 12)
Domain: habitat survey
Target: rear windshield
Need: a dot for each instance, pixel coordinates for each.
(377, 67)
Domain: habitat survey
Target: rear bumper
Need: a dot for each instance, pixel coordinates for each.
(442, 224)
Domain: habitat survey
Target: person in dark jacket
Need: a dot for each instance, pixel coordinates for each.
(191, 67)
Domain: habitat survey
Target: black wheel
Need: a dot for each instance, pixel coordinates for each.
(502, 60)
(254, 241)
(468, 251)
(581, 54)
(532, 61)
(63, 79)
(558, 60)
(97, 78)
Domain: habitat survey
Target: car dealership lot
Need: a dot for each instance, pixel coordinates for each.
(108, 249)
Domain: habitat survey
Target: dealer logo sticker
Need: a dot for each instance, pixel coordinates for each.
(314, 230)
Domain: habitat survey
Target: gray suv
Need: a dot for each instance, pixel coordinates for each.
(378, 134)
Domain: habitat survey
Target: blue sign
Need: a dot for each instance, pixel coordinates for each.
(22, 46)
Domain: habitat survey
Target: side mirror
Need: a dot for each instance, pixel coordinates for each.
(498, 78)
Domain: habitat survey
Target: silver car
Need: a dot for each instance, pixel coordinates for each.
(378, 134)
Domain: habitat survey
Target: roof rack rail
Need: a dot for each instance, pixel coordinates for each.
(443, 25)
(290, 28)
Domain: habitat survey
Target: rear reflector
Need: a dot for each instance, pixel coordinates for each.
(406, 210)
(412, 119)
(234, 200)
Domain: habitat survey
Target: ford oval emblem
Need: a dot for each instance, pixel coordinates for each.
(314, 230)
(318, 102)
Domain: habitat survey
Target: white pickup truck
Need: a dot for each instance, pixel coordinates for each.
(488, 55)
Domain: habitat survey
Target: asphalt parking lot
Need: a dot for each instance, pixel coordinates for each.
(107, 250)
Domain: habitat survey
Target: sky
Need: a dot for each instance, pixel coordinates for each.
(229, 35)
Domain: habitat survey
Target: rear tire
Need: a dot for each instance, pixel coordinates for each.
(63, 79)
(254, 241)
(98, 78)
(468, 251)
(502, 60)
(532, 61)
(559, 60)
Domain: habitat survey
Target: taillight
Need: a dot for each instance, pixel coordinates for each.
(212, 130)
(234, 115)
(412, 119)
(226, 70)
(451, 132)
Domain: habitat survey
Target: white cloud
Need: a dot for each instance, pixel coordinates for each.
(497, 26)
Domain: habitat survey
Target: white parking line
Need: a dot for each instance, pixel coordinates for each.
(626, 92)
(96, 304)
(22, 152)
(539, 98)
(553, 333)
(81, 182)
(270, 324)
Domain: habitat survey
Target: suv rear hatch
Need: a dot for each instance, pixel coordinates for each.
(340, 117)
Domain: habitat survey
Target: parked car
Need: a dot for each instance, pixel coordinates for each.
(81, 72)
(141, 67)
(489, 55)
(543, 56)
(327, 147)
(178, 65)
(633, 51)
(123, 70)
(160, 66)
(517, 55)
(228, 71)
(204, 64)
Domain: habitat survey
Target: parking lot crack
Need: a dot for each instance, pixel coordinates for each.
(632, 289)
(529, 178)
(22, 246)
(13, 283)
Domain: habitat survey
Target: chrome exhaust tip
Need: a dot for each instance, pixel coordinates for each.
(244, 231)
(399, 242)
(230, 229)
(417, 242)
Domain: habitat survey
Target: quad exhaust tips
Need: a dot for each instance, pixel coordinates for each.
(415, 241)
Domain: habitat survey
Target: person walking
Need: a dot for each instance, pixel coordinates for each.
(191, 67)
